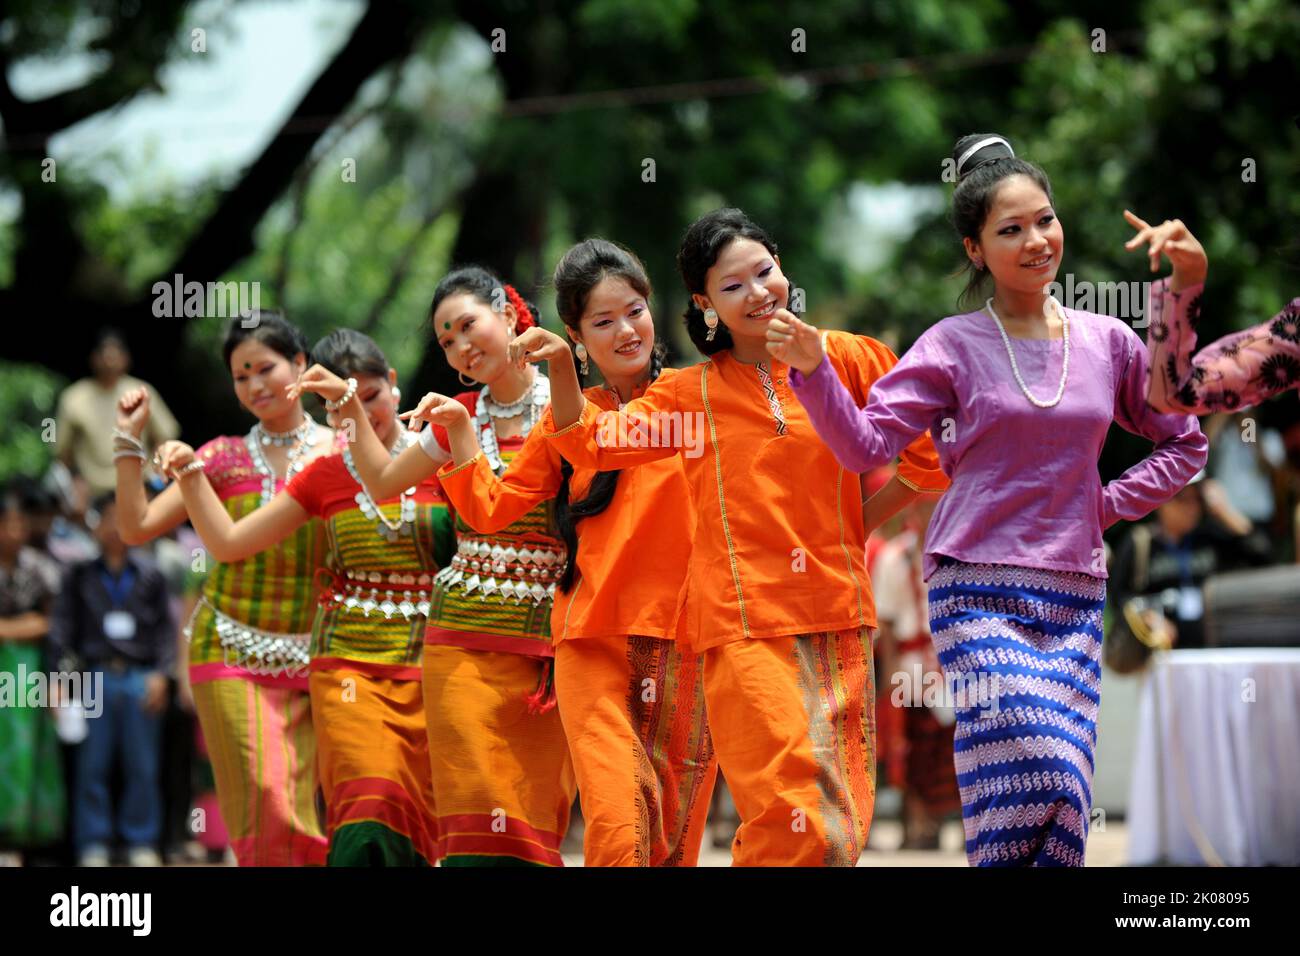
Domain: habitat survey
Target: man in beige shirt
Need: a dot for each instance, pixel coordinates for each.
(87, 415)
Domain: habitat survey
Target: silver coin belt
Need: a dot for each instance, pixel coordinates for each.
(359, 591)
(256, 650)
(516, 574)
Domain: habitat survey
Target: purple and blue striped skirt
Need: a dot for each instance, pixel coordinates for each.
(1021, 653)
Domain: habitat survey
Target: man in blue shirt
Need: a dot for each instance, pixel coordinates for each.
(113, 618)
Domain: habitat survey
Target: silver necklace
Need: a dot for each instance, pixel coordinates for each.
(285, 439)
(531, 406)
(294, 461)
(1015, 369)
(389, 530)
(497, 410)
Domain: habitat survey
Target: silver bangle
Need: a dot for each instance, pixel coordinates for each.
(128, 453)
(126, 439)
(344, 398)
(191, 468)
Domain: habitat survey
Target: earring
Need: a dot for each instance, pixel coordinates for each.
(470, 384)
(711, 320)
(397, 394)
(581, 351)
(979, 263)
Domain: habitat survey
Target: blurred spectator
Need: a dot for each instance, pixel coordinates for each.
(53, 533)
(31, 778)
(1246, 470)
(922, 752)
(1160, 567)
(113, 618)
(1286, 523)
(87, 415)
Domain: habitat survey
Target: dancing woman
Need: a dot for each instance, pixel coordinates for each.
(1013, 553)
(368, 631)
(249, 631)
(631, 699)
(503, 783)
(1237, 371)
(777, 597)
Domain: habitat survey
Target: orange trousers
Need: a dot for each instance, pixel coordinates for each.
(633, 713)
(793, 727)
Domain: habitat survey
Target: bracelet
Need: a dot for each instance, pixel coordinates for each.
(344, 398)
(126, 439)
(191, 468)
(128, 453)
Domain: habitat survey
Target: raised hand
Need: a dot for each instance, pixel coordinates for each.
(1175, 241)
(133, 411)
(172, 456)
(320, 381)
(537, 345)
(436, 410)
(794, 341)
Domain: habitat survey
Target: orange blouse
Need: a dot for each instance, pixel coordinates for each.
(632, 557)
(779, 542)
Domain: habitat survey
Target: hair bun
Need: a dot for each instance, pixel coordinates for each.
(979, 149)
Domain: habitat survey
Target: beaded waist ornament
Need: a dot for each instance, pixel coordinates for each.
(362, 592)
(255, 650)
(513, 573)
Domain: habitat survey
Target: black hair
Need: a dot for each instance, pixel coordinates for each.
(483, 285)
(13, 499)
(978, 180)
(349, 353)
(701, 246)
(109, 334)
(581, 269)
(103, 500)
(271, 329)
(30, 495)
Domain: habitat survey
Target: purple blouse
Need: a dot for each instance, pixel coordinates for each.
(1025, 488)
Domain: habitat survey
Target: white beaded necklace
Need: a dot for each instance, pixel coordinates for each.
(488, 410)
(294, 463)
(389, 530)
(1015, 369)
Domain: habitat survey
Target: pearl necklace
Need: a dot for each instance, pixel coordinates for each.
(389, 530)
(1015, 369)
(530, 406)
(257, 437)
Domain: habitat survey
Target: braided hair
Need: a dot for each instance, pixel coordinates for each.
(582, 268)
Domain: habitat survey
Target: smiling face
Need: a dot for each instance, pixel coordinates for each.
(617, 329)
(473, 336)
(1021, 241)
(261, 375)
(745, 286)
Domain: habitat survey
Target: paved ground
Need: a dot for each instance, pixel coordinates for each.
(1105, 848)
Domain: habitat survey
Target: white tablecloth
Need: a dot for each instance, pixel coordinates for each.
(1217, 766)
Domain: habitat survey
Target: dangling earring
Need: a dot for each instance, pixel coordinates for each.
(470, 384)
(581, 351)
(979, 263)
(711, 320)
(397, 394)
